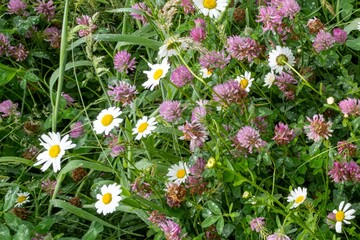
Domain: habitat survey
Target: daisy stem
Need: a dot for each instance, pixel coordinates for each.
(63, 56)
(302, 78)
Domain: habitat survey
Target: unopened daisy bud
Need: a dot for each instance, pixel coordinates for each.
(211, 163)
(330, 100)
(246, 195)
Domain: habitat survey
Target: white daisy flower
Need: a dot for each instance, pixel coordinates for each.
(212, 8)
(278, 57)
(55, 149)
(107, 120)
(109, 199)
(178, 173)
(171, 47)
(297, 196)
(144, 127)
(269, 79)
(157, 72)
(343, 215)
(206, 73)
(22, 198)
(245, 81)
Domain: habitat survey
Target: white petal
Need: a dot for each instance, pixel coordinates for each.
(338, 227)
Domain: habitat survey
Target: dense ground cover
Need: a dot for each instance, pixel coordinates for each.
(179, 119)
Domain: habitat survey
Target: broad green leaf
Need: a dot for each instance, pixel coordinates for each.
(80, 213)
(12, 221)
(44, 226)
(10, 198)
(214, 208)
(354, 44)
(4, 232)
(22, 233)
(16, 160)
(220, 225)
(131, 39)
(6, 74)
(94, 230)
(85, 215)
(352, 26)
(314, 147)
(210, 221)
(85, 164)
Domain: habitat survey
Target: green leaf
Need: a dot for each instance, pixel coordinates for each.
(130, 39)
(85, 164)
(314, 147)
(22, 233)
(352, 26)
(210, 221)
(354, 44)
(10, 198)
(214, 208)
(12, 221)
(355, 123)
(220, 225)
(55, 74)
(80, 213)
(4, 232)
(44, 226)
(94, 230)
(264, 111)
(6, 74)
(316, 163)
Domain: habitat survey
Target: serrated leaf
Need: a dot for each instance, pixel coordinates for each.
(210, 221)
(314, 147)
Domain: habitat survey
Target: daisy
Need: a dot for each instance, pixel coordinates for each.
(245, 81)
(22, 198)
(157, 72)
(343, 215)
(171, 47)
(144, 127)
(109, 199)
(178, 173)
(211, 8)
(278, 57)
(107, 120)
(55, 149)
(297, 196)
(269, 79)
(205, 73)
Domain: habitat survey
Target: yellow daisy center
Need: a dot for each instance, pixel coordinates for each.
(244, 82)
(157, 74)
(142, 127)
(181, 173)
(339, 216)
(299, 199)
(210, 4)
(54, 151)
(106, 199)
(21, 199)
(209, 71)
(281, 59)
(107, 120)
